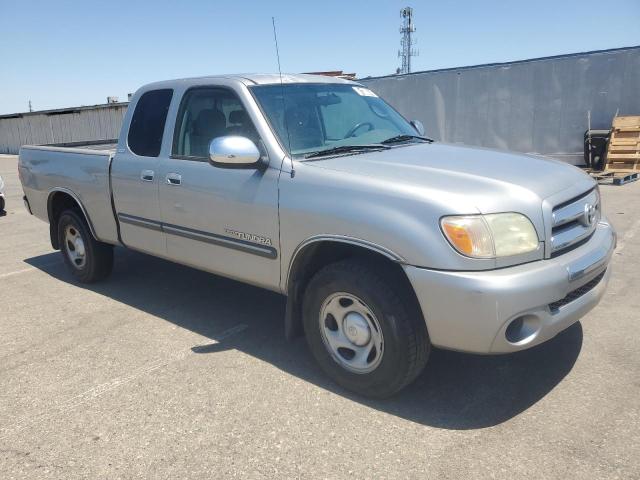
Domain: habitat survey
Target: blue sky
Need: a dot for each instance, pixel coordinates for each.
(66, 52)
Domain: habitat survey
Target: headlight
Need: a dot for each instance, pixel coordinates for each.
(490, 236)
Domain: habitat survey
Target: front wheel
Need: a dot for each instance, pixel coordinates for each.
(88, 259)
(363, 329)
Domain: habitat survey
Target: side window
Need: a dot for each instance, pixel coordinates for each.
(147, 124)
(205, 114)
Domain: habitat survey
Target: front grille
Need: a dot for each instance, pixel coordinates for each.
(577, 293)
(574, 222)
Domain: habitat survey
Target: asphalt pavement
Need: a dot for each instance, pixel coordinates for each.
(164, 371)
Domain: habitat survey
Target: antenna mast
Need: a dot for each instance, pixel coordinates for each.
(406, 43)
(284, 108)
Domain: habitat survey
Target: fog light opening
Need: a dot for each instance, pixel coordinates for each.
(522, 329)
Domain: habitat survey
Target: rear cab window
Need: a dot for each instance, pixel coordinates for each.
(147, 124)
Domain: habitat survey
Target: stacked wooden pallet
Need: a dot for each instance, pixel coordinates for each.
(623, 153)
(624, 144)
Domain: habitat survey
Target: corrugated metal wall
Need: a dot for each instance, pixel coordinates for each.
(536, 106)
(83, 124)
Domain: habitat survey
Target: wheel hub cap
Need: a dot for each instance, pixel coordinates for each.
(356, 329)
(74, 247)
(351, 333)
(79, 246)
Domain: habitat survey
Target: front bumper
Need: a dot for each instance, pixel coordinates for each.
(510, 309)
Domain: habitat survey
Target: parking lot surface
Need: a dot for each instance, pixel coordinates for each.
(163, 371)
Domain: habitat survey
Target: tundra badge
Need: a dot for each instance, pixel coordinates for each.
(249, 237)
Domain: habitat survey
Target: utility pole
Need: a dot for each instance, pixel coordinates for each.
(406, 43)
(30, 107)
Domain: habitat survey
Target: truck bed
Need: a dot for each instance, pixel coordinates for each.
(82, 173)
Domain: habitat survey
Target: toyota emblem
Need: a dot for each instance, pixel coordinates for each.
(589, 215)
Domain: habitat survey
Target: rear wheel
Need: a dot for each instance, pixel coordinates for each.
(363, 329)
(87, 259)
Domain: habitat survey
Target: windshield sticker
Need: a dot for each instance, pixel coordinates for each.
(365, 92)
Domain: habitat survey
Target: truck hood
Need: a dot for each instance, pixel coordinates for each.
(482, 176)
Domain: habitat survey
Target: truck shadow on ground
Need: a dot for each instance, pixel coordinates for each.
(456, 390)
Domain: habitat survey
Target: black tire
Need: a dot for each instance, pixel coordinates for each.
(98, 257)
(406, 342)
(1, 204)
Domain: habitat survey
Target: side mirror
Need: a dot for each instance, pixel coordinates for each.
(417, 124)
(233, 152)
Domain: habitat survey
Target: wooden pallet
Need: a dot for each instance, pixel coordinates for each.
(623, 152)
(612, 177)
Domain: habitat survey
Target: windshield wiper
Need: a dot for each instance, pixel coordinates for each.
(346, 149)
(404, 138)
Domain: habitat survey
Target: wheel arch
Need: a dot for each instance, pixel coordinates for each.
(61, 199)
(317, 252)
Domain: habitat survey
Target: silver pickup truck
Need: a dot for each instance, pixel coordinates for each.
(384, 242)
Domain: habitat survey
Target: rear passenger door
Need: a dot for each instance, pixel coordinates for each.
(224, 220)
(135, 174)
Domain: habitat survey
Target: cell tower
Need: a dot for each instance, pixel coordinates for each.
(406, 43)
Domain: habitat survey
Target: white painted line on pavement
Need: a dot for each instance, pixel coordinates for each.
(628, 235)
(30, 269)
(231, 331)
(105, 387)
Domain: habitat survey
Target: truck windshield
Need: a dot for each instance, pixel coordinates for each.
(312, 118)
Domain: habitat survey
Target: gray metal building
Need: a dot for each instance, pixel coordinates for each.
(535, 106)
(64, 126)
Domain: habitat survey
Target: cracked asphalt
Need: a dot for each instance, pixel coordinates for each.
(167, 372)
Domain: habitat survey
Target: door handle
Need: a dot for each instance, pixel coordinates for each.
(147, 175)
(174, 179)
